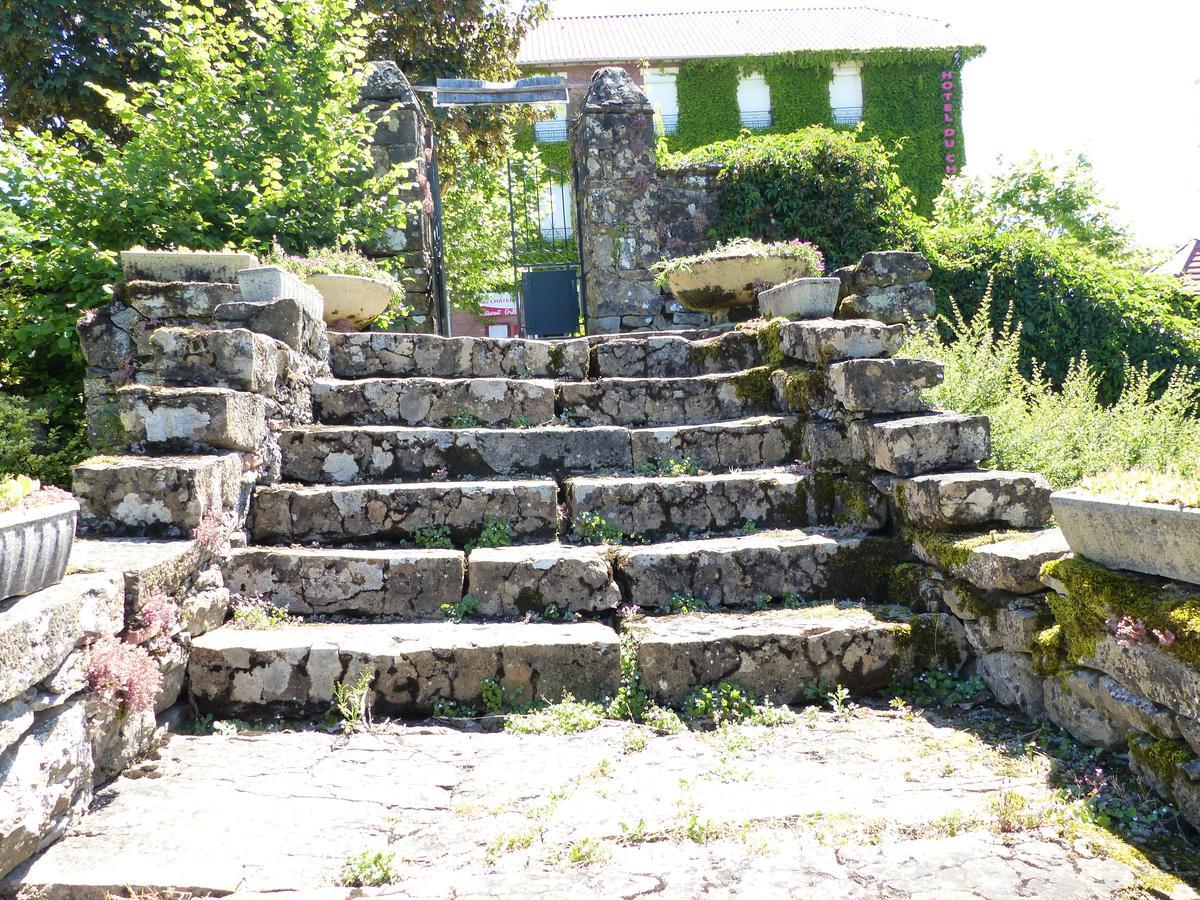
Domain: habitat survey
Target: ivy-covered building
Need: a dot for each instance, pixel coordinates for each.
(712, 74)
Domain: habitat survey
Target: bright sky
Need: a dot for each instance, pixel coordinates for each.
(1119, 81)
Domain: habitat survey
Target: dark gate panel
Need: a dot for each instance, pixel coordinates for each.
(551, 299)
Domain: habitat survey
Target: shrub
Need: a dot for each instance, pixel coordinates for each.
(827, 187)
(249, 136)
(1064, 433)
(123, 675)
(1068, 301)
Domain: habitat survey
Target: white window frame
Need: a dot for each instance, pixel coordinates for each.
(554, 129)
(660, 85)
(846, 93)
(754, 100)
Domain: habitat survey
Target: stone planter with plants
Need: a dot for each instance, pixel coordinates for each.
(1138, 520)
(356, 289)
(734, 274)
(37, 529)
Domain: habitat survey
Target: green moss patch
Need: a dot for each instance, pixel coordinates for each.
(754, 386)
(1095, 594)
(904, 585)
(951, 551)
(1160, 756)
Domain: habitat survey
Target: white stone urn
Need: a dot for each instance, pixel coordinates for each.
(723, 282)
(35, 545)
(801, 298)
(352, 298)
(1154, 538)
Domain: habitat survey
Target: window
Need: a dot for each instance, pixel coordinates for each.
(845, 94)
(554, 129)
(754, 101)
(660, 88)
(555, 212)
(498, 331)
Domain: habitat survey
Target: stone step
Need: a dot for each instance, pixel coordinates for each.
(694, 505)
(399, 583)
(348, 513)
(793, 656)
(975, 499)
(165, 419)
(824, 341)
(158, 496)
(439, 402)
(542, 578)
(345, 454)
(648, 402)
(720, 446)
(856, 387)
(994, 561)
(670, 356)
(295, 668)
(741, 571)
(916, 445)
(372, 355)
(168, 302)
(234, 358)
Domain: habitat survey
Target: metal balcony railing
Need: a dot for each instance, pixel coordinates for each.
(847, 115)
(757, 120)
(670, 124)
(550, 131)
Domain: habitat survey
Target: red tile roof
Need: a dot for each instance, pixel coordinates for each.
(726, 33)
(1185, 264)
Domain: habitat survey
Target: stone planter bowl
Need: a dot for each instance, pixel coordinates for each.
(1143, 537)
(352, 298)
(35, 545)
(801, 298)
(727, 281)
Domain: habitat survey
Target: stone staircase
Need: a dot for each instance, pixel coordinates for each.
(570, 489)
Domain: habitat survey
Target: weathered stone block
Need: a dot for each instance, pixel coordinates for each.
(880, 268)
(1009, 625)
(178, 300)
(285, 320)
(370, 355)
(737, 571)
(147, 566)
(675, 357)
(118, 737)
(45, 784)
(975, 499)
(893, 305)
(883, 385)
(919, 444)
(995, 561)
(720, 446)
(402, 583)
(827, 445)
(186, 265)
(414, 665)
(433, 401)
(778, 655)
(106, 335)
(39, 632)
(266, 283)
(511, 581)
(829, 340)
(1013, 682)
(639, 402)
(348, 454)
(801, 298)
(397, 511)
(1099, 711)
(234, 358)
(180, 419)
(164, 496)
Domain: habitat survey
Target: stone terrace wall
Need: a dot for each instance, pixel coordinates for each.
(631, 215)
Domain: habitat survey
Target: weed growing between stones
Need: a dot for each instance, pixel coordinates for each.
(511, 842)
(667, 468)
(123, 675)
(682, 602)
(456, 612)
(369, 869)
(837, 700)
(464, 419)
(724, 703)
(351, 707)
(435, 537)
(496, 533)
(593, 528)
(587, 851)
(257, 614)
(522, 421)
(937, 688)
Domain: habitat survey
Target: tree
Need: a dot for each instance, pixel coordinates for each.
(1058, 198)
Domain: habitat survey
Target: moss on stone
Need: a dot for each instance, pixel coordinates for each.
(1095, 594)
(556, 359)
(1161, 757)
(754, 386)
(803, 389)
(1048, 652)
(705, 351)
(904, 585)
(862, 572)
(770, 344)
(952, 551)
(851, 505)
(979, 604)
(932, 645)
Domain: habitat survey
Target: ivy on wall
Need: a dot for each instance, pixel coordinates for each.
(902, 105)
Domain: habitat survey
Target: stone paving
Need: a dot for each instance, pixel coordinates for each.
(865, 804)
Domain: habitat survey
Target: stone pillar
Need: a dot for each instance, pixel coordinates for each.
(630, 214)
(402, 137)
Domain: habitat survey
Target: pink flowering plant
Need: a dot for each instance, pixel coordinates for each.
(123, 675)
